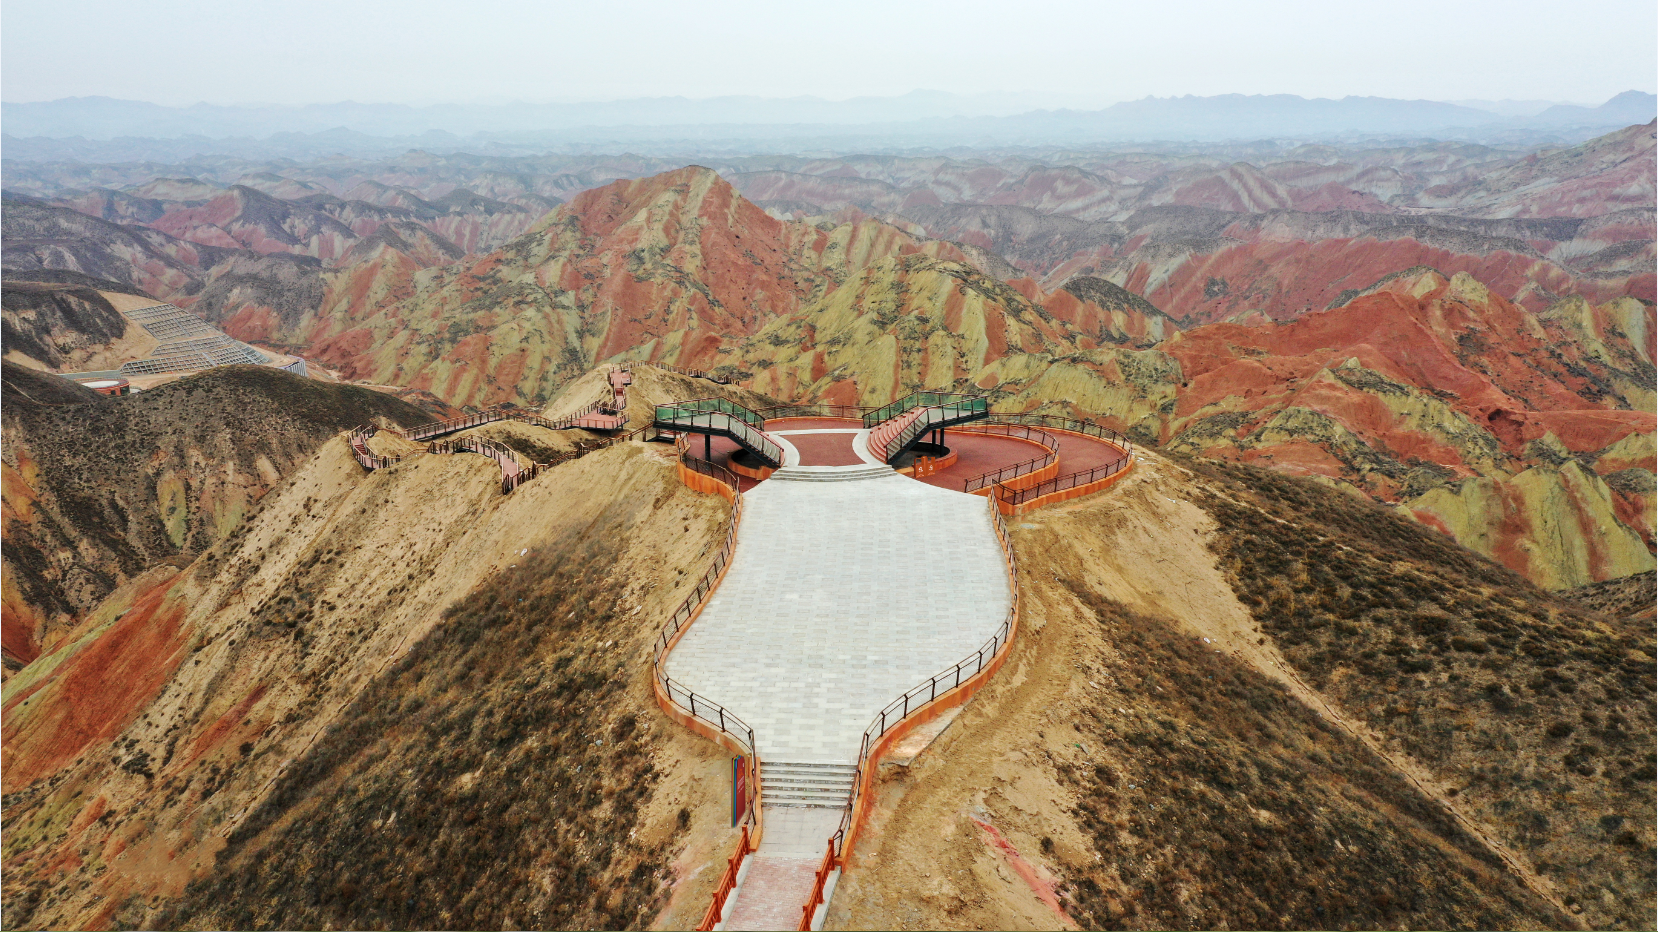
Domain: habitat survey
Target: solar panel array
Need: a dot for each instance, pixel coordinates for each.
(188, 343)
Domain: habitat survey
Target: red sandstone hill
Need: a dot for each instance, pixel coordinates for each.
(1201, 265)
(1528, 437)
(680, 268)
(1205, 239)
(1205, 234)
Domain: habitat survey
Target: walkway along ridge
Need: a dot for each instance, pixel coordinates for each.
(602, 415)
(1010, 490)
(713, 417)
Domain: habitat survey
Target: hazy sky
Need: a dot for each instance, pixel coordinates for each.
(1098, 51)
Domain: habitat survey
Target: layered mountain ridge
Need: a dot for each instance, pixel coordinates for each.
(1284, 336)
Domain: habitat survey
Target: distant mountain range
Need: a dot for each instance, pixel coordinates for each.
(105, 129)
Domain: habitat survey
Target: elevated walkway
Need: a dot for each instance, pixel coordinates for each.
(720, 418)
(606, 414)
(895, 429)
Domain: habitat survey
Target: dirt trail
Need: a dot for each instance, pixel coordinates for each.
(1145, 542)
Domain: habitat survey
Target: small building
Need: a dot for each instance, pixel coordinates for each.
(107, 386)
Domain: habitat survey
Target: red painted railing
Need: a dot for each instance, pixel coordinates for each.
(711, 918)
(816, 899)
(367, 458)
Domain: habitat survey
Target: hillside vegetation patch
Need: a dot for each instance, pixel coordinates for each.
(494, 778)
(1539, 713)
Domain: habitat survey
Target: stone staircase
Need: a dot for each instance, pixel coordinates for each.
(803, 785)
(831, 473)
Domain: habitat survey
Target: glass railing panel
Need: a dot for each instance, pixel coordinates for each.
(683, 409)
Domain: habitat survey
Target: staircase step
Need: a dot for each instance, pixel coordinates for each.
(807, 792)
(804, 784)
(825, 796)
(807, 779)
(831, 473)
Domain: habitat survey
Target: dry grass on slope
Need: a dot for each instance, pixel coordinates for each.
(498, 776)
(1628, 596)
(1152, 768)
(1536, 714)
(126, 482)
(129, 763)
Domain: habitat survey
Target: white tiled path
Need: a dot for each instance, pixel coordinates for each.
(842, 596)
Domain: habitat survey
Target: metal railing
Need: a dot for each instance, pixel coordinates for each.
(718, 416)
(513, 473)
(912, 400)
(650, 433)
(686, 410)
(492, 415)
(1061, 483)
(693, 373)
(850, 412)
(439, 428)
(701, 707)
(960, 408)
(1015, 497)
(985, 480)
(938, 686)
(598, 409)
(367, 458)
(1053, 422)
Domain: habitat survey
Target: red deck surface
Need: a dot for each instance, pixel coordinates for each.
(976, 453)
(773, 894)
(981, 453)
(820, 449)
(825, 449)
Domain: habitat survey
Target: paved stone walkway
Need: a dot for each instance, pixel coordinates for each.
(842, 595)
(772, 894)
